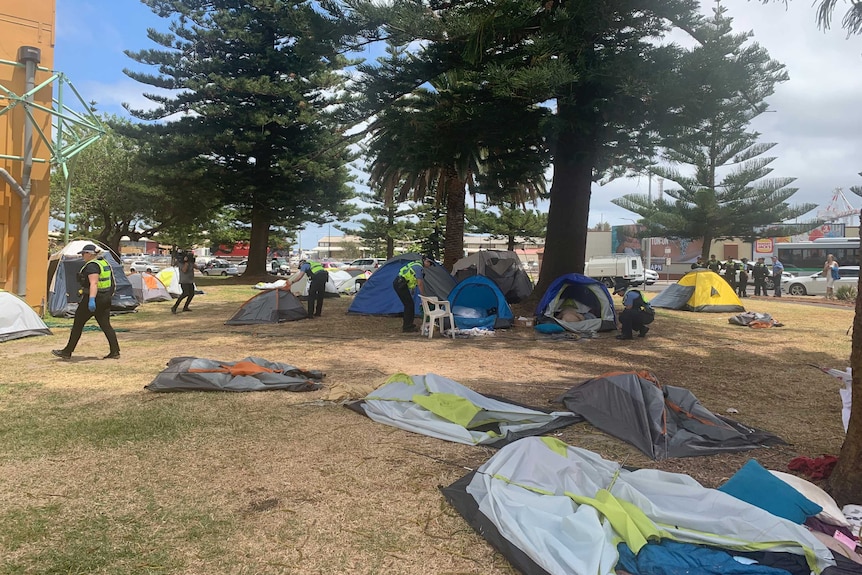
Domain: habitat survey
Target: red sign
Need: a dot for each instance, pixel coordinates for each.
(763, 246)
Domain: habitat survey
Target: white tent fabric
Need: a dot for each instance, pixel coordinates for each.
(543, 496)
(395, 403)
(17, 319)
(170, 277)
(339, 282)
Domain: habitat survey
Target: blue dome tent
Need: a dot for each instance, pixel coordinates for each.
(377, 297)
(476, 301)
(585, 295)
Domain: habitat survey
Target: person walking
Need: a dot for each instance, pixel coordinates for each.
(759, 274)
(409, 277)
(830, 272)
(777, 270)
(97, 286)
(187, 281)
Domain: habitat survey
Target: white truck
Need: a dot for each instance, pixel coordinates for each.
(615, 269)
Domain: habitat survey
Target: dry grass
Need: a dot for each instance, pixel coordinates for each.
(100, 476)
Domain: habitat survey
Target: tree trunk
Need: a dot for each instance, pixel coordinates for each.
(707, 244)
(568, 214)
(455, 212)
(845, 483)
(258, 243)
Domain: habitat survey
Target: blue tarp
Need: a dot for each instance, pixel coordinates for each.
(485, 301)
(378, 297)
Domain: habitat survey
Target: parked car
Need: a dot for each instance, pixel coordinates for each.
(366, 264)
(651, 276)
(142, 266)
(815, 284)
(333, 265)
(220, 268)
(241, 267)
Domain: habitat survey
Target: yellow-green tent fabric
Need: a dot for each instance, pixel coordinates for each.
(699, 290)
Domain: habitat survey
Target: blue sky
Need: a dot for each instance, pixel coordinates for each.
(816, 120)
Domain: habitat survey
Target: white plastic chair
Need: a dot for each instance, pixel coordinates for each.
(436, 311)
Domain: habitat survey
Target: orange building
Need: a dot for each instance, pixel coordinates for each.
(26, 58)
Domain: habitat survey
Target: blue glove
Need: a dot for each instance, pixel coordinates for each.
(92, 304)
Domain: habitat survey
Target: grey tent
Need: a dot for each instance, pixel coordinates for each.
(501, 267)
(439, 407)
(661, 420)
(63, 268)
(148, 288)
(17, 319)
(249, 374)
(270, 306)
(553, 508)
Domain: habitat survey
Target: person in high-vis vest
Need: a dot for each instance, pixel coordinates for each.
(317, 278)
(97, 286)
(409, 277)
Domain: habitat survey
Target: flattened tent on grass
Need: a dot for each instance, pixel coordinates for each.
(699, 290)
(586, 295)
(63, 268)
(17, 319)
(269, 306)
(439, 407)
(377, 297)
(661, 420)
(501, 267)
(249, 374)
(549, 507)
(148, 288)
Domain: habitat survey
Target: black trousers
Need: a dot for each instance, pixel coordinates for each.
(405, 294)
(760, 286)
(741, 287)
(188, 294)
(631, 320)
(103, 318)
(316, 291)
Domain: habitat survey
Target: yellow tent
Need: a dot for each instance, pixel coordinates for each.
(699, 290)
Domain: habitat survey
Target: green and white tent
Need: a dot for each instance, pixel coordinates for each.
(553, 508)
(439, 407)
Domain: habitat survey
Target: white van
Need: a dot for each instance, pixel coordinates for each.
(615, 268)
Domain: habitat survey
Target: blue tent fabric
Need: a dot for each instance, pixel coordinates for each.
(668, 557)
(377, 297)
(482, 296)
(585, 290)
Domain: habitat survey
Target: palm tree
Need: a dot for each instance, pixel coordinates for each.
(437, 142)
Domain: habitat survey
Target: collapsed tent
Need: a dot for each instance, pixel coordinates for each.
(660, 420)
(478, 302)
(339, 282)
(63, 268)
(578, 303)
(549, 507)
(378, 297)
(754, 319)
(270, 306)
(148, 288)
(249, 374)
(17, 319)
(699, 290)
(501, 267)
(439, 407)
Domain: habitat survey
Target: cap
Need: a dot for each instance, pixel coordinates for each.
(88, 248)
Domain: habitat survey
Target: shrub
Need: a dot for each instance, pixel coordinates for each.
(847, 293)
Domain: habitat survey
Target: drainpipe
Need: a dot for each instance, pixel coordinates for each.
(30, 57)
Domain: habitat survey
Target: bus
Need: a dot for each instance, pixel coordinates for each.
(800, 257)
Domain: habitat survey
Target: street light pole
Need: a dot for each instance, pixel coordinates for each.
(649, 239)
